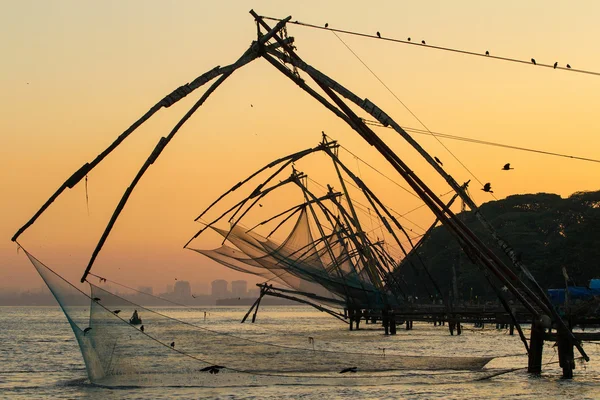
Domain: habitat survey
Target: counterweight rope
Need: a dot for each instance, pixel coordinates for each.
(444, 48)
(411, 112)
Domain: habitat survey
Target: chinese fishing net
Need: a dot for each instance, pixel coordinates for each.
(328, 267)
(164, 350)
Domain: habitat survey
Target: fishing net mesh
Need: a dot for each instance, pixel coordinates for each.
(329, 267)
(161, 349)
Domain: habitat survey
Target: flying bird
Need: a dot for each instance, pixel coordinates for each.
(142, 328)
(437, 160)
(568, 66)
(555, 65)
(350, 369)
(326, 25)
(378, 34)
(487, 53)
(487, 188)
(117, 311)
(173, 344)
(86, 330)
(533, 61)
(506, 167)
(423, 42)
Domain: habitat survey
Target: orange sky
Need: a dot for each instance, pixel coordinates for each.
(74, 75)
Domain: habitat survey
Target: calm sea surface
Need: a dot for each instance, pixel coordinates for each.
(39, 358)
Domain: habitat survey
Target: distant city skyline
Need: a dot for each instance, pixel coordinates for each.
(181, 291)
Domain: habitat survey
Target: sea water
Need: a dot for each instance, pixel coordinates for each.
(39, 358)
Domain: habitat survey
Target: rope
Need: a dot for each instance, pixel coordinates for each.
(483, 142)
(87, 200)
(412, 113)
(444, 48)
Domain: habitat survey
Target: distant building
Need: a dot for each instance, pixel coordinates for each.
(253, 293)
(146, 289)
(239, 288)
(169, 288)
(182, 289)
(219, 289)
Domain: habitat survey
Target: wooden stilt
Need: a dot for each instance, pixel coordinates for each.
(536, 347)
(566, 357)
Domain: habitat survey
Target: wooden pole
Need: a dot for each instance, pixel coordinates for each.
(536, 348)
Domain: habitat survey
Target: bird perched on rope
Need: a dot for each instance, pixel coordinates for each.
(487, 188)
(86, 330)
(487, 53)
(116, 312)
(173, 344)
(408, 39)
(555, 65)
(96, 299)
(533, 61)
(378, 34)
(568, 66)
(437, 160)
(213, 369)
(351, 369)
(142, 328)
(506, 167)
(326, 25)
(423, 42)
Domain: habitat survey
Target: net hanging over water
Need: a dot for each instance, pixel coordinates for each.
(159, 349)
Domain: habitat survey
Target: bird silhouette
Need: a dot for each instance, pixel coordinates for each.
(555, 65)
(350, 369)
(173, 344)
(142, 328)
(437, 160)
(423, 42)
(86, 330)
(408, 39)
(533, 61)
(251, 105)
(193, 296)
(117, 311)
(213, 369)
(487, 53)
(260, 205)
(487, 188)
(378, 34)
(326, 25)
(506, 167)
(96, 299)
(568, 66)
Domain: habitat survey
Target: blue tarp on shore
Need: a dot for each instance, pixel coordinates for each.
(557, 296)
